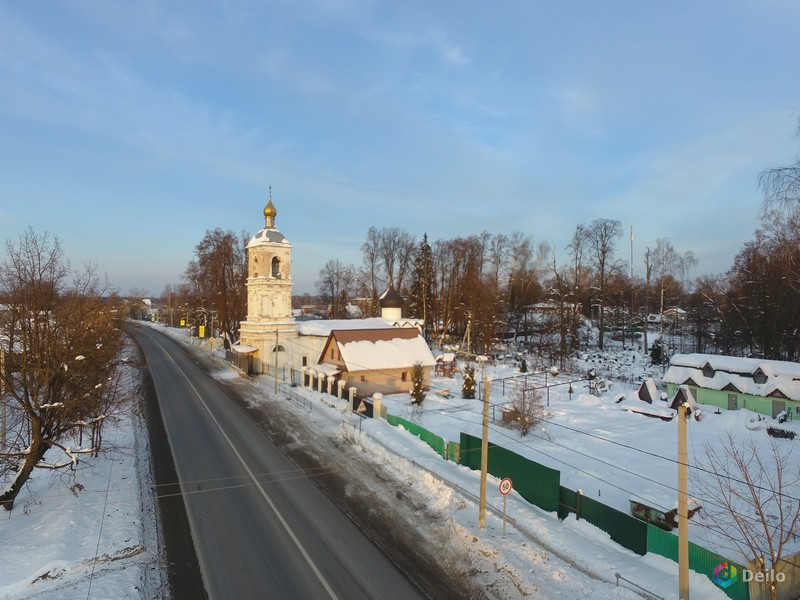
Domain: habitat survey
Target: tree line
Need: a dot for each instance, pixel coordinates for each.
(478, 289)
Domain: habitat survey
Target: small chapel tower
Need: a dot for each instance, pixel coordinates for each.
(270, 327)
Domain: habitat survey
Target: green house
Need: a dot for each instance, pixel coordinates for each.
(768, 387)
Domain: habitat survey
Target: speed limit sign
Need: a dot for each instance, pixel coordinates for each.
(505, 486)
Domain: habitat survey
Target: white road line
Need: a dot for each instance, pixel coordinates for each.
(258, 485)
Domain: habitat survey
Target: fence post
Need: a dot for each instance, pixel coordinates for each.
(578, 495)
(376, 405)
(352, 393)
(340, 384)
(330, 385)
(320, 379)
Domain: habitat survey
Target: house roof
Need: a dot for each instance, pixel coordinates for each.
(735, 372)
(323, 327)
(376, 349)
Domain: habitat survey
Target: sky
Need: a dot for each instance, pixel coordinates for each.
(128, 129)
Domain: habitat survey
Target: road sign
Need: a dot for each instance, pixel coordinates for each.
(505, 489)
(362, 408)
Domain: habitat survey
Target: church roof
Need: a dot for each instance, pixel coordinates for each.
(323, 327)
(269, 234)
(391, 299)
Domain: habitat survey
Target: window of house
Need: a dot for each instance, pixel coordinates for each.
(333, 353)
(708, 371)
(403, 376)
(363, 378)
(759, 376)
(305, 361)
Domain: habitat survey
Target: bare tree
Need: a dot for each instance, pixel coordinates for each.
(561, 294)
(603, 234)
(218, 276)
(528, 408)
(781, 189)
(756, 494)
(369, 274)
(60, 343)
(396, 250)
(335, 285)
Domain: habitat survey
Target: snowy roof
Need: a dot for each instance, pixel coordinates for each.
(327, 369)
(323, 328)
(724, 371)
(243, 349)
(267, 236)
(373, 350)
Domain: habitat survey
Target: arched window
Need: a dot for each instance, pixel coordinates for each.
(279, 348)
(276, 267)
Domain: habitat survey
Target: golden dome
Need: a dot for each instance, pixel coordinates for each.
(270, 213)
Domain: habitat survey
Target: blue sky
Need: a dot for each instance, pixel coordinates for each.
(129, 128)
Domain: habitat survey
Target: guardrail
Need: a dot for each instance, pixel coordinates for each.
(648, 593)
(291, 394)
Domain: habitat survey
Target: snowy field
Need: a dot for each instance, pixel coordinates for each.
(91, 532)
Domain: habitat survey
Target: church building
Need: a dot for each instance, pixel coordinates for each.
(277, 342)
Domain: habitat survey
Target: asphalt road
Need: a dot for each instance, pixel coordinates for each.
(260, 526)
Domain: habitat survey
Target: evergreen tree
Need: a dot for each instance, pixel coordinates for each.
(417, 387)
(523, 366)
(468, 387)
(420, 298)
(655, 353)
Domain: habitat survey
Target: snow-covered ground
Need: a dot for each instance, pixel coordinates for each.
(592, 440)
(91, 532)
(539, 556)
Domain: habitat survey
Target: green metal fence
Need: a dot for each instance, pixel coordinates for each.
(540, 485)
(567, 503)
(454, 451)
(433, 440)
(701, 560)
(536, 483)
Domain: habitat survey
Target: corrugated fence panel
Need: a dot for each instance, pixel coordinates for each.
(701, 560)
(536, 483)
(454, 451)
(624, 529)
(433, 440)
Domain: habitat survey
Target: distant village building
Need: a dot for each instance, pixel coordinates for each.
(769, 387)
(272, 339)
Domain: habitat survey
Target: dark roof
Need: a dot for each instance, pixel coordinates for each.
(344, 336)
(391, 299)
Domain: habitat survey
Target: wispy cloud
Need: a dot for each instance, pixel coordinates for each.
(581, 109)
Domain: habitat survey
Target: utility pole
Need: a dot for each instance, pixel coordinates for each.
(276, 363)
(683, 507)
(484, 454)
(630, 312)
(2, 401)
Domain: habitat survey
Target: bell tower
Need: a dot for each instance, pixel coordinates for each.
(269, 327)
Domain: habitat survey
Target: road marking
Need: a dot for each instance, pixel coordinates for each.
(252, 476)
